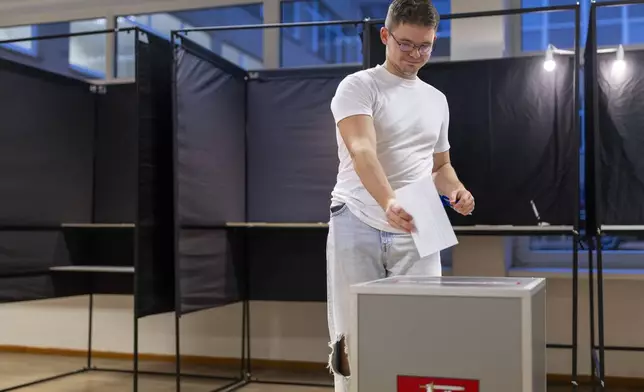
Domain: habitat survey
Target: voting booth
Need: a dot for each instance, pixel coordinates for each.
(448, 334)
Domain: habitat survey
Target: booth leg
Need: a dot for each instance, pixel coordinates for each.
(177, 339)
(135, 379)
(90, 330)
(575, 306)
(600, 311)
(591, 300)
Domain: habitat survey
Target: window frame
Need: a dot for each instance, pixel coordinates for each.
(144, 22)
(243, 57)
(78, 69)
(32, 51)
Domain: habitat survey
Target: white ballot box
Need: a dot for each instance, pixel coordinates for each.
(448, 334)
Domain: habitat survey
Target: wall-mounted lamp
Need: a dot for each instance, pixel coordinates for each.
(549, 64)
(620, 64)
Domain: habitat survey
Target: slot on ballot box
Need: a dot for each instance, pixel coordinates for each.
(465, 334)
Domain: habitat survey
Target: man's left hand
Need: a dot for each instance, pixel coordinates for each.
(462, 201)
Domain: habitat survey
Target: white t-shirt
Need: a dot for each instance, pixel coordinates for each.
(411, 120)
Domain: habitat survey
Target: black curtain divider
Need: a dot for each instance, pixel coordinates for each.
(210, 166)
(614, 177)
(86, 185)
(591, 193)
(515, 152)
(46, 158)
(47, 147)
(264, 143)
(72, 165)
(88, 196)
(590, 187)
(250, 146)
(614, 112)
(618, 141)
(117, 125)
(292, 150)
(292, 165)
(155, 204)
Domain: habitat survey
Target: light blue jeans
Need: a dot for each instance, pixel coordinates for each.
(357, 253)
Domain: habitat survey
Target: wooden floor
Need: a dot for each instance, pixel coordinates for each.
(16, 369)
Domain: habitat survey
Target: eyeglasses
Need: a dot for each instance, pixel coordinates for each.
(408, 47)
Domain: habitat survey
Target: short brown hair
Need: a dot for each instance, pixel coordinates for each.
(414, 12)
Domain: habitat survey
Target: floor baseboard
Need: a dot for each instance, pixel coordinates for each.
(610, 381)
(187, 359)
(273, 364)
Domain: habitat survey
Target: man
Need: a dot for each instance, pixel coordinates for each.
(392, 129)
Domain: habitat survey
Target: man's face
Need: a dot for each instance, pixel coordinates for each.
(408, 46)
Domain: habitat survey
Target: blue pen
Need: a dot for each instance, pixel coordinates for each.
(446, 202)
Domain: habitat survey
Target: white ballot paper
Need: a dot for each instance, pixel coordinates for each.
(434, 231)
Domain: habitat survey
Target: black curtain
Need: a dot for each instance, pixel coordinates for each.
(47, 147)
(115, 194)
(46, 163)
(590, 185)
(292, 167)
(512, 137)
(292, 147)
(116, 154)
(377, 54)
(155, 202)
(620, 139)
(210, 101)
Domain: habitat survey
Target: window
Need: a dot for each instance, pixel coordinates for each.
(163, 25)
(247, 42)
(319, 45)
(444, 33)
(378, 10)
(338, 44)
(236, 56)
(540, 29)
(159, 24)
(125, 48)
(615, 25)
(19, 32)
(82, 56)
(556, 252)
(620, 25)
(87, 52)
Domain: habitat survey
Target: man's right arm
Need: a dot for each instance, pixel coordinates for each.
(359, 136)
(352, 109)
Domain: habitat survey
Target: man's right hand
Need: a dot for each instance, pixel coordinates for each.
(398, 217)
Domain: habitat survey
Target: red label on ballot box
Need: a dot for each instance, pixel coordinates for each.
(436, 384)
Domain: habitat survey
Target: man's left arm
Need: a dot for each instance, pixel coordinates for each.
(445, 178)
(448, 184)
